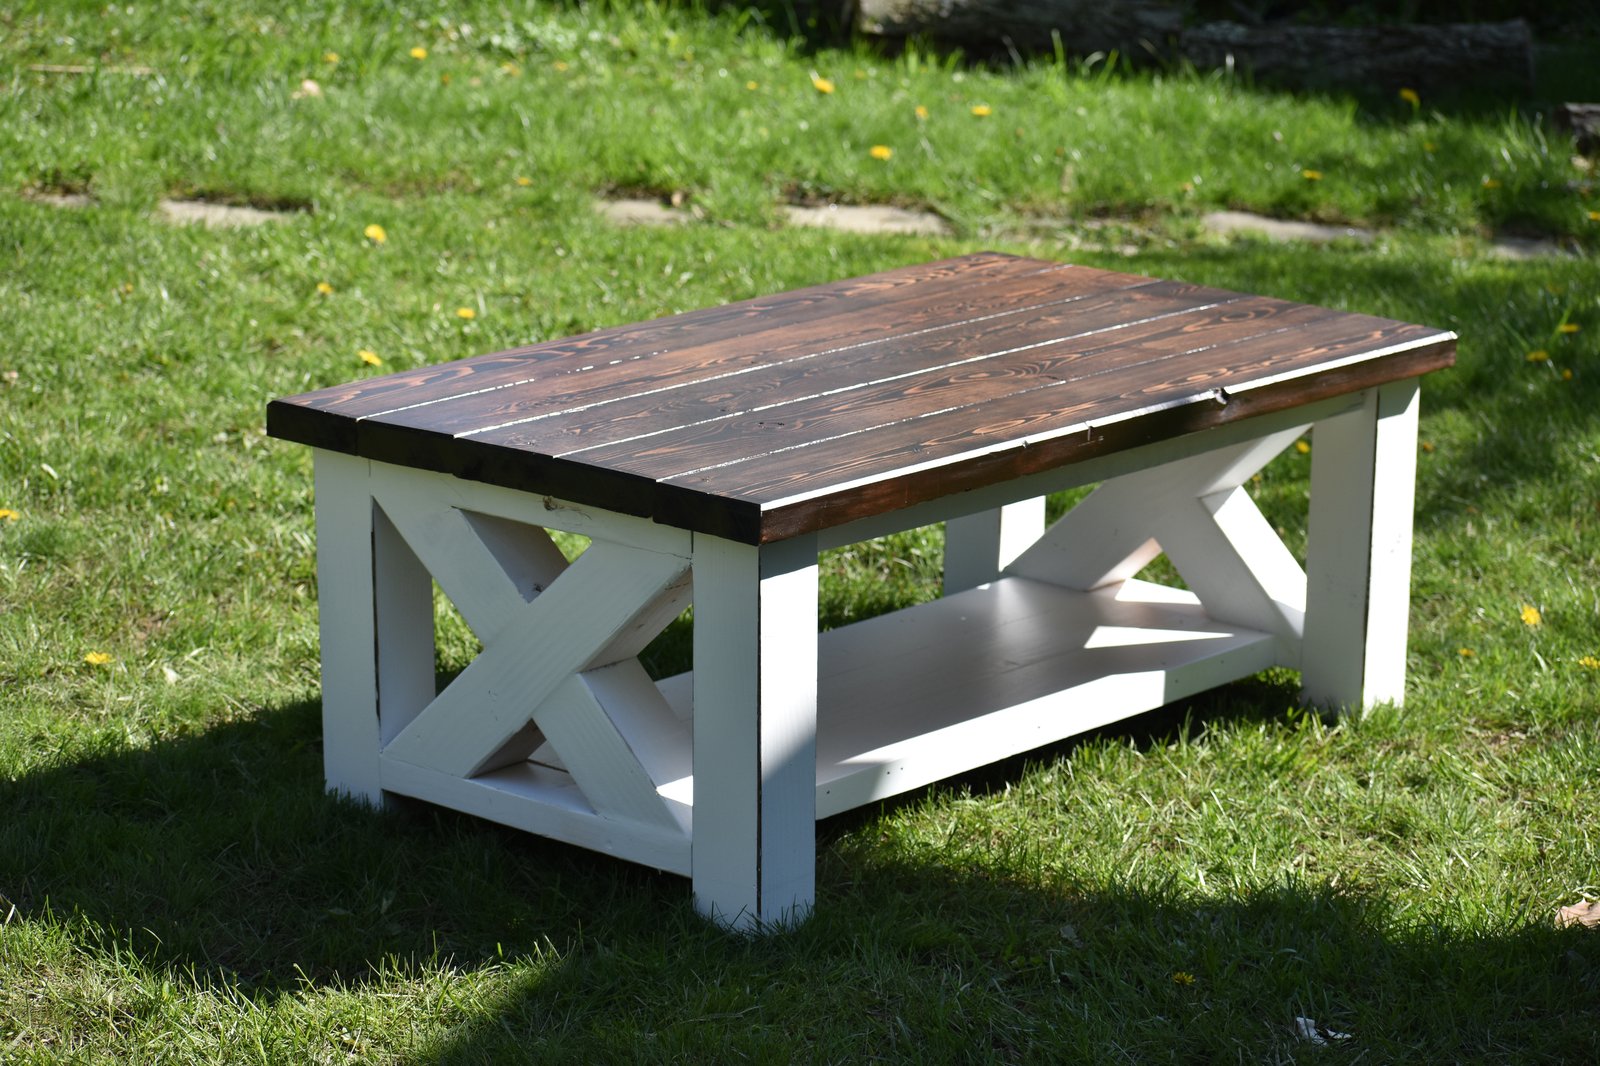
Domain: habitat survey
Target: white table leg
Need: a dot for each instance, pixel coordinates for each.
(978, 546)
(1358, 551)
(755, 713)
(376, 618)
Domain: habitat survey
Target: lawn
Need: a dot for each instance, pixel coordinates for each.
(176, 887)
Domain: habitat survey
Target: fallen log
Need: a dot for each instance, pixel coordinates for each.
(1082, 26)
(1415, 56)
(1384, 57)
(1583, 122)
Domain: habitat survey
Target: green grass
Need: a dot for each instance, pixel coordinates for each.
(177, 888)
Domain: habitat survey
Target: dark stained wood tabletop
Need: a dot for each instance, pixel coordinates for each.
(796, 412)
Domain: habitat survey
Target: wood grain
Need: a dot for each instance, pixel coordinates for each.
(557, 381)
(795, 412)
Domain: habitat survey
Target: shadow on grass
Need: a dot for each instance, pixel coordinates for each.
(216, 857)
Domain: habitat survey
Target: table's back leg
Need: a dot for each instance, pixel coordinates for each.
(375, 605)
(1358, 551)
(977, 547)
(755, 714)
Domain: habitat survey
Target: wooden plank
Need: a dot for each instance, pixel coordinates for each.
(1035, 429)
(893, 717)
(755, 699)
(656, 734)
(691, 385)
(465, 568)
(1088, 471)
(544, 801)
(493, 698)
(1230, 556)
(543, 511)
(980, 379)
(852, 435)
(1112, 533)
(403, 615)
(525, 365)
(349, 638)
(908, 698)
(978, 547)
(597, 756)
(1358, 552)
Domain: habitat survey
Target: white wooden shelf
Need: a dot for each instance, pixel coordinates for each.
(908, 698)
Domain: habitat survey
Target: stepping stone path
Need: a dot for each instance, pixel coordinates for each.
(846, 218)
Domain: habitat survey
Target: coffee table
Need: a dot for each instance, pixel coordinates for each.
(708, 457)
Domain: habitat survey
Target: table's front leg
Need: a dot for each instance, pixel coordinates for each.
(375, 604)
(755, 715)
(1358, 551)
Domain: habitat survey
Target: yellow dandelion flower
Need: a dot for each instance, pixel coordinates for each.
(8, 515)
(1410, 96)
(1465, 653)
(370, 357)
(561, 66)
(419, 52)
(1538, 355)
(1594, 216)
(1311, 175)
(880, 151)
(466, 312)
(1427, 446)
(524, 182)
(375, 233)
(1568, 327)
(822, 85)
(1302, 447)
(982, 110)
(752, 85)
(1491, 183)
(97, 658)
(1566, 374)
(324, 288)
(1183, 977)
(330, 57)
(1531, 615)
(1589, 662)
(922, 113)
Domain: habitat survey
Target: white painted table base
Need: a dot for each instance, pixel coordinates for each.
(721, 775)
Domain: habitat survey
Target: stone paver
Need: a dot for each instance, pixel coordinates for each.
(630, 212)
(216, 216)
(1277, 229)
(869, 218)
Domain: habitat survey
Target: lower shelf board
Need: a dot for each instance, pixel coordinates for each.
(905, 699)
